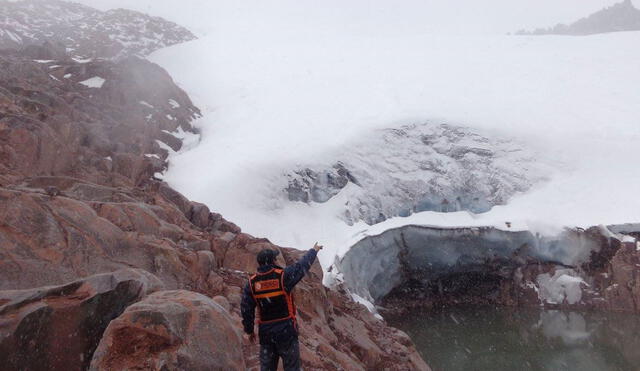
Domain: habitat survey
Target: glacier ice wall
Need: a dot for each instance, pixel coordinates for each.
(377, 264)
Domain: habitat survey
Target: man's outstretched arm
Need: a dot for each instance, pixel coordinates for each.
(295, 272)
(248, 310)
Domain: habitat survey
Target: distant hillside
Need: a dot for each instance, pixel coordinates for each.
(619, 17)
(85, 31)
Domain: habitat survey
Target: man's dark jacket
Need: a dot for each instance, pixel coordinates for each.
(282, 330)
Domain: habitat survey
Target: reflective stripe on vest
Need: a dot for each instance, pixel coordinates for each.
(273, 302)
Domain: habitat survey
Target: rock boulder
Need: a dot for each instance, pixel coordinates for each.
(59, 327)
(171, 330)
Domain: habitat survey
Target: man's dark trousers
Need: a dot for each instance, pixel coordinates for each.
(289, 351)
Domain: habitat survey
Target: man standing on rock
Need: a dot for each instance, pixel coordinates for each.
(270, 290)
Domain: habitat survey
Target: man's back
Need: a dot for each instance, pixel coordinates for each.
(278, 331)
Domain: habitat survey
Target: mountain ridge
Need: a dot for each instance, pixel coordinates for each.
(84, 31)
(619, 17)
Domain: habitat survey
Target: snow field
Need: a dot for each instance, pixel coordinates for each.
(274, 100)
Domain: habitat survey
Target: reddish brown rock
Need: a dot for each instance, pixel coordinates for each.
(623, 291)
(199, 214)
(171, 330)
(175, 197)
(56, 328)
(133, 167)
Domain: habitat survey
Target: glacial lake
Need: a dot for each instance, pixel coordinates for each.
(496, 339)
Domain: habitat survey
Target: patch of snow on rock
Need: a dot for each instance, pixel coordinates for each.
(164, 146)
(14, 37)
(628, 239)
(189, 140)
(94, 82)
(82, 60)
(360, 300)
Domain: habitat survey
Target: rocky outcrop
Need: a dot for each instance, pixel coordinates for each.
(77, 167)
(308, 185)
(79, 196)
(621, 280)
(59, 327)
(421, 167)
(171, 330)
(84, 31)
(110, 135)
(618, 17)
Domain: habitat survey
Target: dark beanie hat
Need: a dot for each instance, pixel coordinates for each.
(267, 256)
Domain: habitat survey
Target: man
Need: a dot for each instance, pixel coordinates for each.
(270, 291)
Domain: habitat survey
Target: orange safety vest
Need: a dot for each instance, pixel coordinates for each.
(273, 301)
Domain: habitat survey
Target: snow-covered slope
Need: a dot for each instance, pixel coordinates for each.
(85, 31)
(279, 99)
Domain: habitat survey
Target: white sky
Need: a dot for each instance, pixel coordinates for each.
(363, 16)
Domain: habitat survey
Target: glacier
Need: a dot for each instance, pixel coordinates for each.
(279, 96)
(378, 263)
(420, 167)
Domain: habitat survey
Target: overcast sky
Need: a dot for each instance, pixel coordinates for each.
(430, 16)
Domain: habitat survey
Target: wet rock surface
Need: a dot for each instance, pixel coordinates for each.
(79, 198)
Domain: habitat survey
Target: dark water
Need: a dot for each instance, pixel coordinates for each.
(506, 339)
